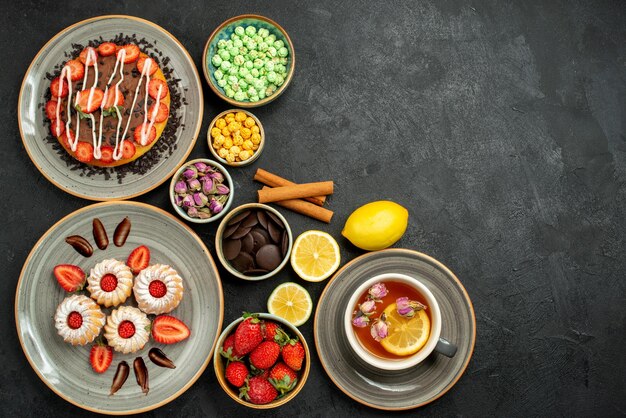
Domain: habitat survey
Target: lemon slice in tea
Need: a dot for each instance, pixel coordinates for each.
(406, 335)
(291, 302)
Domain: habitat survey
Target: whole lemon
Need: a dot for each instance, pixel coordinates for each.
(376, 225)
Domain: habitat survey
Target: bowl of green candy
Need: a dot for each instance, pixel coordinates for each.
(248, 60)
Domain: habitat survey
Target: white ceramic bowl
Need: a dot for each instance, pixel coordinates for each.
(228, 181)
(406, 362)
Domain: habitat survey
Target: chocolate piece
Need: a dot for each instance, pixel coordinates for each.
(284, 244)
(243, 262)
(260, 238)
(121, 232)
(100, 234)
(158, 357)
(240, 232)
(276, 220)
(268, 257)
(121, 374)
(239, 217)
(275, 232)
(250, 221)
(141, 374)
(80, 244)
(262, 218)
(231, 248)
(230, 229)
(247, 243)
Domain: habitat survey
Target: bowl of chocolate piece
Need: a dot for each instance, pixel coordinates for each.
(253, 242)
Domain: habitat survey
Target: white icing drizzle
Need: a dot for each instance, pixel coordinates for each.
(144, 73)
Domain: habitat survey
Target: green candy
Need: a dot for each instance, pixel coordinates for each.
(239, 30)
(271, 77)
(243, 84)
(251, 92)
(249, 65)
(270, 39)
(254, 54)
(229, 44)
(272, 51)
(279, 44)
(254, 72)
(224, 55)
(269, 66)
(249, 78)
(251, 44)
(240, 96)
(221, 44)
(232, 79)
(250, 31)
(234, 37)
(225, 65)
(245, 39)
(243, 71)
(282, 51)
(232, 52)
(259, 85)
(279, 80)
(263, 46)
(254, 98)
(262, 94)
(258, 63)
(229, 92)
(263, 33)
(257, 39)
(216, 60)
(222, 82)
(236, 87)
(233, 70)
(218, 74)
(237, 43)
(239, 60)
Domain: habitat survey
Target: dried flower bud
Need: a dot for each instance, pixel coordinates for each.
(180, 187)
(178, 199)
(200, 199)
(378, 291)
(207, 185)
(215, 206)
(192, 212)
(222, 189)
(368, 307)
(217, 176)
(188, 201)
(380, 328)
(190, 172)
(407, 308)
(201, 167)
(194, 184)
(360, 320)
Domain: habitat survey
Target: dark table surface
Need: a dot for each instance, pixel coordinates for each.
(501, 126)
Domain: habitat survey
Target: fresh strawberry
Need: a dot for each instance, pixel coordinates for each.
(65, 137)
(248, 334)
(150, 134)
(161, 114)
(138, 259)
(169, 330)
(100, 357)
(77, 69)
(265, 355)
(109, 99)
(84, 55)
(157, 289)
(70, 277)
(126, 329)
(236, 373)
(153, 88)
(270, 330)
(293, 354)
(106, 154)
(228, 349)
(259, 391)
(51, 109)
(265, 374)
(132, 53)
(57, 127)
(128, 150)
(108, 283)
(59, 88)
(84, 152)
(87, 106)
(74, 320)
(283, 377)
(106, 49)
(153, 65)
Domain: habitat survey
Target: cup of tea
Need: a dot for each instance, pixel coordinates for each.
(393, 322)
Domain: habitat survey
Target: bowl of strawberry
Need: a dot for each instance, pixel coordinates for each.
(261, 360)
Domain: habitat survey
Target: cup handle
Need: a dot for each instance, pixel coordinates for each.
(445, 347)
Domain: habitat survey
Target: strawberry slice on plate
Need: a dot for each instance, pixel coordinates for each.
(169, 330)
(109, 99)
(151, 135)
(51, 109)
(106, 154)
(65, 138)
(128, 150)
(138, 259)
(77, 69)
(161, 114)
(106, 49)
(70, 277)
(153, 88)
(100, 357)
(84, 55)
(132, 53)
(142, 61)
(84, 152)
(87, 106)
(57, 127)
(59, 88)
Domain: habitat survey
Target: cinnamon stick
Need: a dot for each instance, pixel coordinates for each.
(305, 208)
(295, 192)
(272, 180)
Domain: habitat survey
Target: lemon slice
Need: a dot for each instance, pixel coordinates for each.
(315, 256)
(406, 335)
(291, 302)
